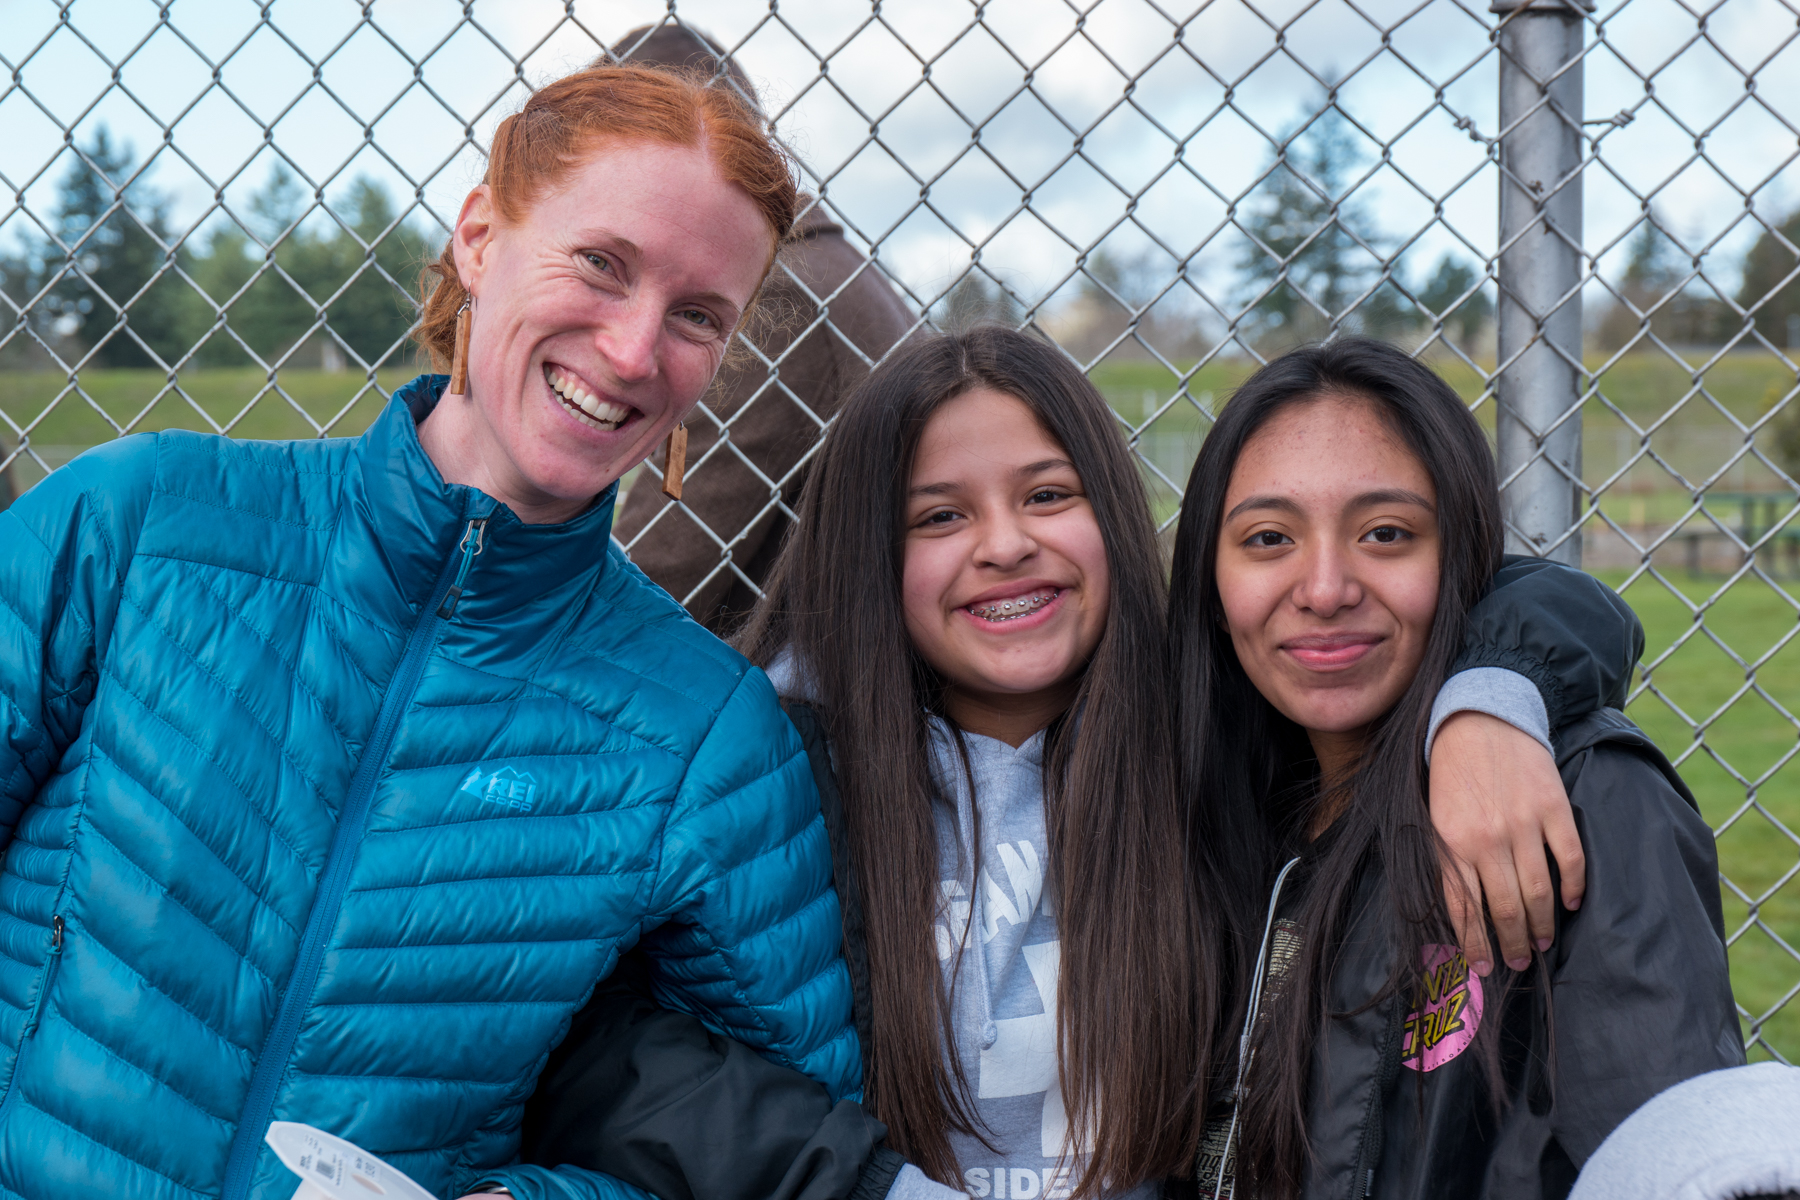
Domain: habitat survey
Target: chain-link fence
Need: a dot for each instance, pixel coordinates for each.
(212, 215)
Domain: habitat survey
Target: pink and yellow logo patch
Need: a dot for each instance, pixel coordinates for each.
(1448, 1012)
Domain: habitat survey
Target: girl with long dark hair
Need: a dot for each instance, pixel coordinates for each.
(967, 625)
(1340, 523)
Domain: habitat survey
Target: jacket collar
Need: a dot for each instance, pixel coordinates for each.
(420, 521)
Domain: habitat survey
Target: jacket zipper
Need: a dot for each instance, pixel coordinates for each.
(37, 1007)
(353, 819)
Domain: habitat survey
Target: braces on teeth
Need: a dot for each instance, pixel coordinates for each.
(1007, 610)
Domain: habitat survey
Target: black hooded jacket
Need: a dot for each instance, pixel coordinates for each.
(1633, 997)
(656, 1099)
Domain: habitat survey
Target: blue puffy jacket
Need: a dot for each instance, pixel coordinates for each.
(328, 792)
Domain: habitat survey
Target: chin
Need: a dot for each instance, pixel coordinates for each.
(1333, 720)
(571, 476)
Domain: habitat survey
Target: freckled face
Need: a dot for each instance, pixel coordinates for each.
(602, 315)
(1328, 563)
(1006, 583)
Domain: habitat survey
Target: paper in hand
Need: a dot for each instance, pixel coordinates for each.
(332, 1169)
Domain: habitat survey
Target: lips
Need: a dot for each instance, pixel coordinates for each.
(581, 402)
(1011, 608)
(1333, 651)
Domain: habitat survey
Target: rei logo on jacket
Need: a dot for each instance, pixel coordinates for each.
(512, 791)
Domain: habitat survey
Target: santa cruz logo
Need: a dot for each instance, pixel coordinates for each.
(1448, 1012)
(512, 791)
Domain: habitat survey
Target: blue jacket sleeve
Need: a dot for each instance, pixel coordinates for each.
(64, 547)
(1564, 630)
(527, 1182)
(751, 943)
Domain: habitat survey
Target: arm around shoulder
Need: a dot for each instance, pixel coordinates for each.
(1561, 628)
(657, 1099)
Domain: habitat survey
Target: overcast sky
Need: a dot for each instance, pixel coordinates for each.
(1081, 66)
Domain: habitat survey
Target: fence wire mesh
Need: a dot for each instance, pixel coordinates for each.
(213, 214)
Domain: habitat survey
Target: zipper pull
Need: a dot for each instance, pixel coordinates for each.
(471, 545)
(56, 948)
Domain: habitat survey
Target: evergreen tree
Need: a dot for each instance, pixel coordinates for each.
(1446, 286)
(1767, 268)
(309, 263)
(1653, 282)
(114, 241)
(375, 311)
(1306, 222)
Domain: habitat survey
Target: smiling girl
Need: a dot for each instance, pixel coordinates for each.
(968, 623)
(1341, 521)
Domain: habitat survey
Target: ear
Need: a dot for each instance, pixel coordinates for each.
(473, 238)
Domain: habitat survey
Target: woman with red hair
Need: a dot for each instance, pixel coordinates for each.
(335, 774)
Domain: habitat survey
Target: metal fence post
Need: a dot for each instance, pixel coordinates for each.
(1539, 436)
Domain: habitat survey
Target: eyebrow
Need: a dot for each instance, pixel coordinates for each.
(1026, 471)
(1365, 500)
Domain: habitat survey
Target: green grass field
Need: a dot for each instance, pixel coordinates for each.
(239, 400)
(1752, 736)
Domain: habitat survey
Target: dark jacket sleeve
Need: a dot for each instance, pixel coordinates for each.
(1641, 994)
(655, 1098)
(1564, 630)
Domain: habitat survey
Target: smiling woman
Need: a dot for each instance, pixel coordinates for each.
(335, 774)
(623, 229)
(1340, 528)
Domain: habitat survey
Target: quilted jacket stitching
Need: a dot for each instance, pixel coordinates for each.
(88, 1137)
(236, 951)
(428, 883)
(517, 819)
(351, 657)
(385, 1077)
(119, 562)
(343, 947)
(713, 710)
(278, 743)
(244, 793)
(96, 941)
(266, 902)
(272, 576)
(24, 625)
(289, 661)
(392, 1004)
(550, 693)
(226, 452)
(777, 848)
(239, 511)
(22, 772)
(154, 1078)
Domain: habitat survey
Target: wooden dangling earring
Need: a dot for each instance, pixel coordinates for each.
(459, 361)
(675, 461)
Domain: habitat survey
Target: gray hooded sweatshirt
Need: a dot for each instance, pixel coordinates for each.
(997, 940)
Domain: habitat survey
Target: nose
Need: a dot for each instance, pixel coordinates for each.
(1328, 583)
(628, 342)
(1005, 543)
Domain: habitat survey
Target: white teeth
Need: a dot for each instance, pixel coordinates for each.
(589, 409)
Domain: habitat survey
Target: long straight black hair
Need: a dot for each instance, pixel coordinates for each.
(1129, 996)
(1250, 774)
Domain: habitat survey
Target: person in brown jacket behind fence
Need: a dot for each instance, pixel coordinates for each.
(774, 413)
